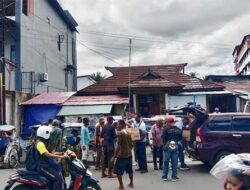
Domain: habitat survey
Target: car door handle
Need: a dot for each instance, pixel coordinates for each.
(237, 135)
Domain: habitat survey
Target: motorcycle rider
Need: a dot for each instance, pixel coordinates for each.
(44, 167)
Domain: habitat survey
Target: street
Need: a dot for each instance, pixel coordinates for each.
(196, 179)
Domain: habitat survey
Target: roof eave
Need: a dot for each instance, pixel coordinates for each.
(66, 16)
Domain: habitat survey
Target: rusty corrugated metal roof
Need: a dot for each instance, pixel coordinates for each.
(96, 100)
(50, 98)
(154, 83)
(172, 75)
(243, 85)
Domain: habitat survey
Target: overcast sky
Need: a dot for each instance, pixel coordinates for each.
(202, 33)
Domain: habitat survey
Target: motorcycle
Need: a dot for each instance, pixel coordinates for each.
(81, 178)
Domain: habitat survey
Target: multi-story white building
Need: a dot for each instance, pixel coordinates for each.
(241, 56)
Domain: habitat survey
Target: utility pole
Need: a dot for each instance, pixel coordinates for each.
(3, 107)
(129, 74)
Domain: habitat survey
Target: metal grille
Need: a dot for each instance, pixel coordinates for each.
(28, 82)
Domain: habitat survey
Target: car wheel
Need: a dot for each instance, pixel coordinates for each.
(221, 155)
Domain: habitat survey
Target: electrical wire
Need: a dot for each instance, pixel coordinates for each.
(135, 48)
(142, 38)
(7, 5)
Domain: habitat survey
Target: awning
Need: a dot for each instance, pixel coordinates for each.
(7, 127)
(85, 110)
(53, 98)
(96, 100)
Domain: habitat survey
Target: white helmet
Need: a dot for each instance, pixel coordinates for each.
(44, 132)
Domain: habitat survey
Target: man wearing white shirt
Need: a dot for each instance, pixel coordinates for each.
(141, 144)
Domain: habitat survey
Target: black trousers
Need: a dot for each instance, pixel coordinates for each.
(107, 154)
(52, 175)
(158, 153)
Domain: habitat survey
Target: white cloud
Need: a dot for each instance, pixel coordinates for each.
(202, 33)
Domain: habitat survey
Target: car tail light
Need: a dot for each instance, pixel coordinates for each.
(199, 137)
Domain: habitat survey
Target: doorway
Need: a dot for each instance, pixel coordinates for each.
(149, 105)
(225, 103)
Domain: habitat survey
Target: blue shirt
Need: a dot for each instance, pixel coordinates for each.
(84, 136)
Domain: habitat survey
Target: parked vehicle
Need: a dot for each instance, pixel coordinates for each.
(81, 178)
(67, 132)
(10, 148)
(149, 125)
(214, 136)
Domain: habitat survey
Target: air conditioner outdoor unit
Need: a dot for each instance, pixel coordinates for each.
(44, 77)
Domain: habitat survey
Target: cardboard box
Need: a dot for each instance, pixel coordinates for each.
(135, 134)
(186, 135)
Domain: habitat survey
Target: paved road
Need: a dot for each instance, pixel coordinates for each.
(197, 178)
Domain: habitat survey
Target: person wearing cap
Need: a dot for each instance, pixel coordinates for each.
(171, 136)
(85, 140)
(109, 135)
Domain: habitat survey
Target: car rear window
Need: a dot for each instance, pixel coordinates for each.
(222, 123)
(241, 124)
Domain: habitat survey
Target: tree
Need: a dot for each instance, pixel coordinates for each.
(98, 77)
(193, 74)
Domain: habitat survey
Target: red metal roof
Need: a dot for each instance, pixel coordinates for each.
(171, 77)
(96, 100)
(50, 98)
(154, 83)
(243, 85)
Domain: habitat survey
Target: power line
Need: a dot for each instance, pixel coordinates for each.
(165, 51)
(97, 52)
(7, 5)
(41, 54)
(57, 28)
(125, 49)
(142, 38)
(136, 48)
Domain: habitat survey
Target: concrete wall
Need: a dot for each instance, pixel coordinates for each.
(9, 41)
(39, 48)
(14, 113)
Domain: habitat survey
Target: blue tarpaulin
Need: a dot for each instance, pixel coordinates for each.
(37, 114)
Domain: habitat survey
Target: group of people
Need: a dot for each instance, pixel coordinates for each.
(114, 147)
